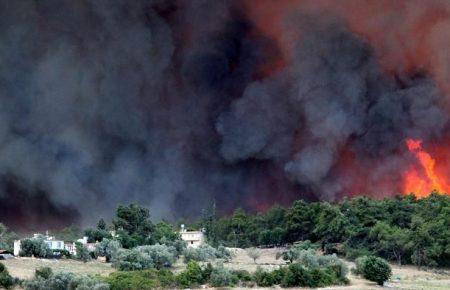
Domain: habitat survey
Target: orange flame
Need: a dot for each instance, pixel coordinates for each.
(424, 180)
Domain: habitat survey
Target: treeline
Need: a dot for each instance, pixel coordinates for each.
(402, 229)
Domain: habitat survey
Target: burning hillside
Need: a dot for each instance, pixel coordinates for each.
(173, 104)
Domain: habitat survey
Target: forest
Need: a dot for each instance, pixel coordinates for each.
(403, 229)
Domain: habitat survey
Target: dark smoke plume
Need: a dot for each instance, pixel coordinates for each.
(174, 104)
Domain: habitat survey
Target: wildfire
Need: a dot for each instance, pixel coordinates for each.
(421, 181)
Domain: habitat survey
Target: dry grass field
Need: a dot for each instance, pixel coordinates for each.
(24, 268)
(405, 277)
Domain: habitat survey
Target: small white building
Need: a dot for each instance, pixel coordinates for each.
(54, 244)
(49, 240)
(193, 238)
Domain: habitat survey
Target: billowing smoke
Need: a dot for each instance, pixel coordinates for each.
(175, 104)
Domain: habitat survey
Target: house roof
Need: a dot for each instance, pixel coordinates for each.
(5, 252)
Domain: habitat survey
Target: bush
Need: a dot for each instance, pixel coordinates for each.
(6, 281)
(353, 254)
(253, 253)
(61, 254)
(374, 269)
(143, 280)
(192, 276)
(221, 277)
(161, 255)
(322, 277)
(242, 275)
(359, 263)
(108, 248)
(82, 253)
(35, 247)
(263, 278)
(130, 260)
(223, 253)
(205, 253)
(297, 275)
(279, 274)
(43, 272)
(64, 281)
(334, 263)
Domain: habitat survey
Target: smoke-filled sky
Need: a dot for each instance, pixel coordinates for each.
(175, 104)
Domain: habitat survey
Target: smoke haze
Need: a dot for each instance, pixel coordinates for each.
(174, 104)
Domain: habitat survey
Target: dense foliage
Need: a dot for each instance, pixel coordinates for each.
(206, 253)
(401, 229)
(374, 269)
(63, 281)
(35, 247)
(218, 276)
(145, 257)
(6, 281)
(6, 238)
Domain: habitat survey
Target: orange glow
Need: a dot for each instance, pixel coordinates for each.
(421, 181)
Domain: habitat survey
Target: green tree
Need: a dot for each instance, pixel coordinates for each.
(101, 225)
(253, 253)
(332, 225)
(133, 225)
(82, 253)
(376, 269)
(164, 232)
(108, 249)
(392, 242)
(6, 281)
(301, 220)
(35, 247)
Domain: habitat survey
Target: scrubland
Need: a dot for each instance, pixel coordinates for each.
(404, 277)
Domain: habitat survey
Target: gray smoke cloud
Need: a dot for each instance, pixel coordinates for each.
(160, 102)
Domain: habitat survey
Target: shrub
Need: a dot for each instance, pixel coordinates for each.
(6, 281)
(221, 277)
(108, 248)
(223, 253)
(82, 253)
(308, 258)
(322, 277)
(43, 272)
(297, 275)
(88, 283)
(130, 260)
(143, 280)
(35, 247)
(242, 275)
(334, 263)
(192, 276)
(360, 263)
(294, 252)
(64, 281)
(279, 274)
(205, 253)
(253, 253)
(263, 278)
(207, 272)
(375, 269)
(61, 253)
(353, 254)
(161, 255)
(179, 246)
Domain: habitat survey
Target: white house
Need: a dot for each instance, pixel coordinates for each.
(49, 240)
(192, 238)
(54, 244)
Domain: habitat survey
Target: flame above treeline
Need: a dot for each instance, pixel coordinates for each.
(423, 177)
(174, 104)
